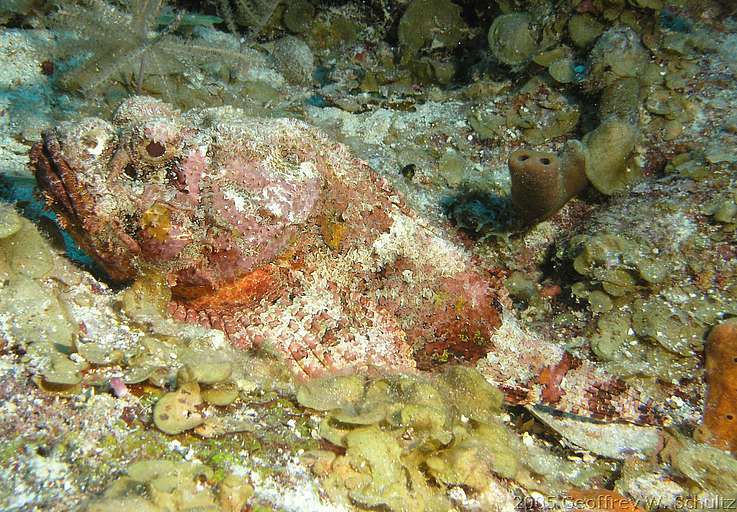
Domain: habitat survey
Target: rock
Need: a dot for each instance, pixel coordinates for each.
(431, 23)
(617, 54)
(295, 59)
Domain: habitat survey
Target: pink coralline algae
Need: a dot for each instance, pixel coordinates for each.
(270, 232)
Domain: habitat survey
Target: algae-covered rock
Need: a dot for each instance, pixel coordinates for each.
(620, 99)
(377, 473)
(617, 54)
(712, 470)
(473, 461)
(452, 167)
(430, 23)
(378, 454)
(160, 485)
(520, 286)
(674, 330)
(726, 212)
(205, 370)
(298, 15)
(562, 71)
(513, 38)
(147, 298)
(23, 247)
(628, 354)
(609, 148)
(584, 29)
(295, 59)
(10, 221)
(620, 265)
(331, 392)
(599, 302)
(63, 371)
(37, 317)
(222, 393)
(176, 412)
(470, 394)
(613, 334)
(234, 492)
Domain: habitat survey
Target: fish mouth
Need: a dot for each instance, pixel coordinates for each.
(75, 209)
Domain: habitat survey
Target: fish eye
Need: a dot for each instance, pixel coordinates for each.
(155, 149)
(155, 142)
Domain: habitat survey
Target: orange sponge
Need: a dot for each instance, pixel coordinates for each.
(720, 414)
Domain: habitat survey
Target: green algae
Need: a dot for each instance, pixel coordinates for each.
(513, 39)
(403, 429)
(609, 147)
(584, 29)
(430, 22)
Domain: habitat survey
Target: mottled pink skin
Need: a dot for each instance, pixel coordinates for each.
(164, 194)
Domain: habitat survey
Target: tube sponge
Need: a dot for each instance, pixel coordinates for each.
(543, 182)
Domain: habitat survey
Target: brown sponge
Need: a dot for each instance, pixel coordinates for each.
(543, 182)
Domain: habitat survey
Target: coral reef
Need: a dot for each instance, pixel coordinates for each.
(273, 325)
